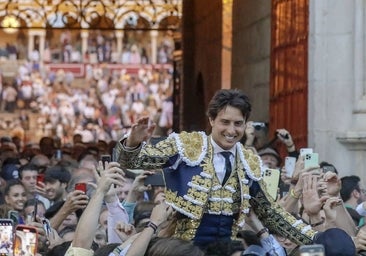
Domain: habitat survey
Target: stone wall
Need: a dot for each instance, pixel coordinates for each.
(337, 89)
(202, 21)
(251, 53)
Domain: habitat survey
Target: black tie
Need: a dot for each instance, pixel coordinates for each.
(227, 155)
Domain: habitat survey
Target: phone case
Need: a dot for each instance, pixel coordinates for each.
(6, 231)
(105, 159)
(290, 165)
(155, 179)
(312, 250)
(81, 187)
(40, 178)
(304, 151)
(14, 216)
(271, 178)
(25, 240)
(311, 160)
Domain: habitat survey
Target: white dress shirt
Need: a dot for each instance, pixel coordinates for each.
(219, 159)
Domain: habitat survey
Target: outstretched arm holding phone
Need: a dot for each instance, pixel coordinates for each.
(87, 225)
(74, 201)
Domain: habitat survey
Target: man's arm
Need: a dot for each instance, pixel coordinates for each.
(133, 153)
(116, 214)
(159, 215)
(88, 222)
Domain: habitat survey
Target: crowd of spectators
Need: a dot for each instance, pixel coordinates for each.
(108, 218)
(101, 48)
(117, 213)
(101, 109)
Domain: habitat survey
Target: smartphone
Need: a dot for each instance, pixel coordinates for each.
(35, 211)
(312, 250)
(81, 187)
(290, 165)
(25, 240)
(114, 155)
(58, 154)
(46, 226)
(105, 159)
(311, 160)
(40, 178)
(271, 178)
(133, 173)
(304, 151)
(14, 216)
(6, 231)
(155, 179)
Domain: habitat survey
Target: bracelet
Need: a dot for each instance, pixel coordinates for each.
(318, 223)
(293, 195)
(291, 145)
(151, 225)
(262, 231)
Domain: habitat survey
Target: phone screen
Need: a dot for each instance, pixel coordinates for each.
(47, 226)
(6, 234)
(25, 241)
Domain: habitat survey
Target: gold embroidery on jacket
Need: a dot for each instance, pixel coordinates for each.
(205, 186)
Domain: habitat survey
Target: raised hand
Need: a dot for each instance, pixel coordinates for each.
(311, 200)
(41, 189)
(161, 213)
(360, 239)
(249, 134)
(285, 137)
(334, 183)
(112, 174)
(75, 200)
(140, 131)
(329, 208)
(124, 230)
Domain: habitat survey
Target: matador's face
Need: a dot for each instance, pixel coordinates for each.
(228, 127)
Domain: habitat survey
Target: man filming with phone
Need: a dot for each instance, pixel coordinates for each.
(64, 205)
(28, 177)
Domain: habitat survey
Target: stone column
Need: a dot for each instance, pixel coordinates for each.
(154, 43)
(42, 43)
(119, 36)
(30, 43)
(84, 43)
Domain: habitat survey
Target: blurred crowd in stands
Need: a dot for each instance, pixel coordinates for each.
(101, 109)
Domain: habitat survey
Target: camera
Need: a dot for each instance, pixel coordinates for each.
(329, 168)
(259, 125)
